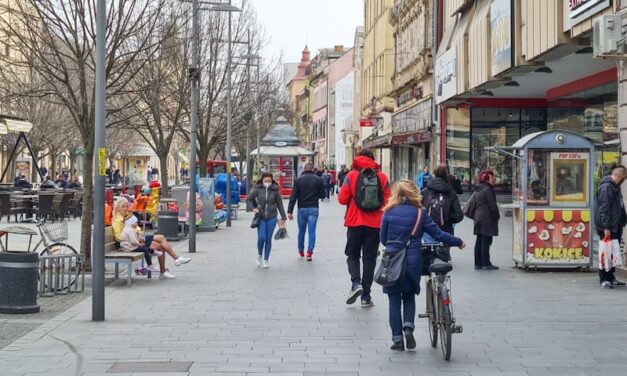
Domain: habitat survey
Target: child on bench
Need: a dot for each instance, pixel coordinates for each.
(130, 241)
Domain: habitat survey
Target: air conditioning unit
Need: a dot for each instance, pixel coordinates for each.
(607, 37)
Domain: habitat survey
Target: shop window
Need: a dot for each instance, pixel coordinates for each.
(458, 144)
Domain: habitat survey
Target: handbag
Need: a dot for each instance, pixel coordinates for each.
(255, 222)
(391, 270)
(471, 206)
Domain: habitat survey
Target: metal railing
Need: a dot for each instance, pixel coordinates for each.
(60, 275)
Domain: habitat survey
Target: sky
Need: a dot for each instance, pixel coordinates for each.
(290, 24)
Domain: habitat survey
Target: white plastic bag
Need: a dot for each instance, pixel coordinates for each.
(605, 254)
(617, 254)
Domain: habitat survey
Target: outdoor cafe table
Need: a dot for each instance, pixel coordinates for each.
(16, 230)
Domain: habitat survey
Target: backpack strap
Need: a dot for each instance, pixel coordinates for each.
(419, 217)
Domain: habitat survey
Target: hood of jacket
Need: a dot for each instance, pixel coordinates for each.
(361, 162)
(608, 180)
(439, 185)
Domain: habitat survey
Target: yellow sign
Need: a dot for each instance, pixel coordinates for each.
(102, 161)
(559, 253)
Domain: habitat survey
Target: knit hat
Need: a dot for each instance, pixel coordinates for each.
(131, 220)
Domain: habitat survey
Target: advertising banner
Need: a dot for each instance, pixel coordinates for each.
(22, 167)
(501, 35)
(558, 236)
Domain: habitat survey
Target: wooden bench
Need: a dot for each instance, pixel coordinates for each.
(113, 255)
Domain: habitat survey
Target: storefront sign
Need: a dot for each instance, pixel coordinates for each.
(558, 236)
(501, 35)
(581, 9)
(446, 75)
(412, 138)
(366, 123)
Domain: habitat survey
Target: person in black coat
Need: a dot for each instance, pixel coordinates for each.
(440, 187)
(610, 217)
(486, 220)
(308, 191)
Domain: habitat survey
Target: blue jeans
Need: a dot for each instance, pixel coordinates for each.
(264, 236)
(307, 221)
(398, 323)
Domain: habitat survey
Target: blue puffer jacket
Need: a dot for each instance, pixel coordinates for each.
(397, 225)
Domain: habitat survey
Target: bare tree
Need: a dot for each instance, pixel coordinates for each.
(158, 107)
(56, 42)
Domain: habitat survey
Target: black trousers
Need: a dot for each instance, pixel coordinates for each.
(482, 251)
(609, 275)
(360, 241)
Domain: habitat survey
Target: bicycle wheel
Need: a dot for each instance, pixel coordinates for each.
(433, 322)
(63, 249)
(445, 322)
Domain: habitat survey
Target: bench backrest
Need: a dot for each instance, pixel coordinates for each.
(110, 245)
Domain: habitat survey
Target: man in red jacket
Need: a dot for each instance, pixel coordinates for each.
(363, 228)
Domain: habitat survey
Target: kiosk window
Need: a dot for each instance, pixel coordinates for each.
(538, 177)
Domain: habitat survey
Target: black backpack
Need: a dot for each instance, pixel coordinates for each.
(368, 191)
(438, 207)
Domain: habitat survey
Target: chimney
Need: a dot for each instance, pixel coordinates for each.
(339, 48)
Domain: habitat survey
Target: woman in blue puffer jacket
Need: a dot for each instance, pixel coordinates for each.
(403, 211)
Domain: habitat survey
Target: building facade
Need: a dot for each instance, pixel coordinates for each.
(412, 80)
(354, 134)
(505, 69)
(377, 66)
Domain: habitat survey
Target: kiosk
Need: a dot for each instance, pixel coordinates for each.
(281, 154)
(553, 190)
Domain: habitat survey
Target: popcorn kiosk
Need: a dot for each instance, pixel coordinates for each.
(553, 193)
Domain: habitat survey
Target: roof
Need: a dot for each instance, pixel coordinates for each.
(11, 124)
(548, 139)
(281, 133)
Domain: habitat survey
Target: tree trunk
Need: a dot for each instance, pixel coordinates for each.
(88, 203)
(53, 167)
(203, 156)
(165, 184)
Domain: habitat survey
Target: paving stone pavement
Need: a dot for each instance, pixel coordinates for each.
(230, 318)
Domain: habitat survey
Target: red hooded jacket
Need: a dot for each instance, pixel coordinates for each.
(356, 217)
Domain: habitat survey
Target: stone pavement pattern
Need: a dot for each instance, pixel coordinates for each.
(229, 318)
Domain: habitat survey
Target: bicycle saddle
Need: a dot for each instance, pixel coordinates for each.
(440, 267)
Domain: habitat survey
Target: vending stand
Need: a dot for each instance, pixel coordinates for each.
(281, 154)
(553, 190)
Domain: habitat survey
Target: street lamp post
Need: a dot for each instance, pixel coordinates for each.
(194, 76)
(98, 259)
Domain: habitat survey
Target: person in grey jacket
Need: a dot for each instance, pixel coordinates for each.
(266, 200)
(610, 217)
(486, 221)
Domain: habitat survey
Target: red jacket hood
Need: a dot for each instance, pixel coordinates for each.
(361, 162)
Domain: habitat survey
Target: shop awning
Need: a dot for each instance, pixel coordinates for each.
(13, 125)
(283, 151)
(378, 142)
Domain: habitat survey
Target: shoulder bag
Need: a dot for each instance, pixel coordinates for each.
(391, 270)
(471, 206)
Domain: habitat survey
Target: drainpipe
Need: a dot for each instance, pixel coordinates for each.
(434, 51)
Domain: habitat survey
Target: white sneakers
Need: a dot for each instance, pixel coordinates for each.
(167, 275)
(261, 262)
(258, 261)
(182, 260)
(265, 264)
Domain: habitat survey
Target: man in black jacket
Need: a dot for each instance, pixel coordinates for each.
(308, 190)
(610, 217)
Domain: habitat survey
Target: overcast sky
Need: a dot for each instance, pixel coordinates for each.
(290, 24)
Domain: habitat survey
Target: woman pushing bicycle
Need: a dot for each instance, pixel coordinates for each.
(405, 221)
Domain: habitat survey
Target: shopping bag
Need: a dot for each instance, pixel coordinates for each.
(605, 254)
(617, 254)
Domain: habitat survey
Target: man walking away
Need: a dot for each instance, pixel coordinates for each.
(326, 177)
(307, 191)
(610, 217)
(423, 178)
(341, 174)
(365, 191)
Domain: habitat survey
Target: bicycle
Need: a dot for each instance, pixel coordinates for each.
(57, 234)
(439, 307)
